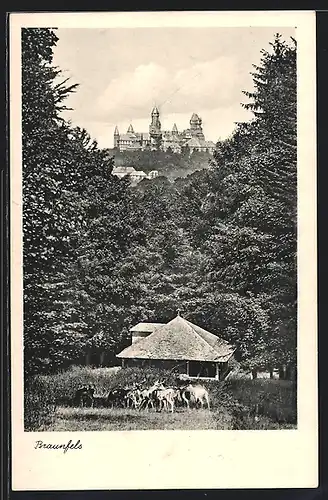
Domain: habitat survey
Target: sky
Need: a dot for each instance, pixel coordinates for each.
(123, 72)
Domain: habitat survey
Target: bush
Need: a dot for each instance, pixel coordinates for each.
(63, 385)
(44, 392)
(276, 399)
(39, 405)
(144, 377)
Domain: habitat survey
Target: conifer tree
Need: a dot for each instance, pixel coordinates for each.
(245, 217)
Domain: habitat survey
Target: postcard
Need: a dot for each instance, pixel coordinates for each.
(163, 250)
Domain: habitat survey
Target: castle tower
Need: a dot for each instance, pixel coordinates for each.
(116, 137)
(155, 128)
(194, 124)
(196, 129)
(175, 130)
(200, 133)
(130, 130)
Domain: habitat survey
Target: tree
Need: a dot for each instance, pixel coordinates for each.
(46, 223)
(250, 215)
(274, 105)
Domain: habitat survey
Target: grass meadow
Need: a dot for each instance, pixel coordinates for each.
(48, 403)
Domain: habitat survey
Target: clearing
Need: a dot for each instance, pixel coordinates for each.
(123, 419)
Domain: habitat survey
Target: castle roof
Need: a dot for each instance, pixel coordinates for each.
(194, 118)
(130, 130)
(180, 340)
(175, 128)
(196, 142)
(116, 132)
(127, 137)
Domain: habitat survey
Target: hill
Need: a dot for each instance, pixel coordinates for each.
(168, 164)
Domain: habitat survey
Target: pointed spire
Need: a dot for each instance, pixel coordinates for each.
(155, 111)
(130, 130)
(116, 132)
(194, 118)
(175, 128)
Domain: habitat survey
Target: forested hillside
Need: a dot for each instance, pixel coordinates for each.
(219, 244)
(168, 163)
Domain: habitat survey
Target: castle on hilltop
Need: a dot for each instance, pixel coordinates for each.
(193, 137)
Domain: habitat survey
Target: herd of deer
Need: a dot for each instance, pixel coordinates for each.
(157, 397)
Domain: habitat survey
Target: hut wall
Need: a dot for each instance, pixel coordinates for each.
(195, 369)
(202, 369)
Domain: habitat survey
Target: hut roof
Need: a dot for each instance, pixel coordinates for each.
(180, 340)
(145, 327)
(124, 170)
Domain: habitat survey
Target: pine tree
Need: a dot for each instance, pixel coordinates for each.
(274, 104)
(244, 218)
(54, 331)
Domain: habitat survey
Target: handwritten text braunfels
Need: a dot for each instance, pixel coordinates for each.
(55, 446)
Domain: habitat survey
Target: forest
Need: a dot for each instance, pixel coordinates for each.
(169, 164)
(219, 244)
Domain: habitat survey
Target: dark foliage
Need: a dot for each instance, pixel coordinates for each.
(219, 244)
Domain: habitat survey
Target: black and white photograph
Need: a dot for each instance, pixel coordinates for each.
(159, 226)
(160, 229)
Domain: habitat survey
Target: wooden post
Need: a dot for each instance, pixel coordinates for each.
(217, 374)
(123, 362)
(188, 368)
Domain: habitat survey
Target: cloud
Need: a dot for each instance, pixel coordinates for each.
(209, 83)
(204, 85)
(133, 92)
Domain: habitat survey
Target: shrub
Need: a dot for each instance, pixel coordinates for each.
(144, 377)
(63, 385)
(44, 392)
(276, 399)
(39, 405)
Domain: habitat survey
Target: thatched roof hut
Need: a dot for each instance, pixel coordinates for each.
(193, 350)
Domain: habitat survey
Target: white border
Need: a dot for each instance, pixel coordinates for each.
(178, 459)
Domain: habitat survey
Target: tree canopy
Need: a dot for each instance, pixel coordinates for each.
(219, 243)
